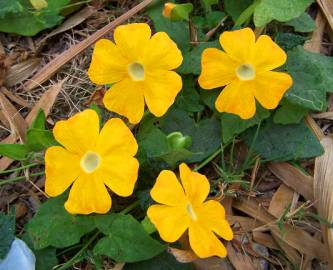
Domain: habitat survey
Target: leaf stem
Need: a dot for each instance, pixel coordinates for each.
(16, 179)
(130, 208)
(207, 160)
(19, 168)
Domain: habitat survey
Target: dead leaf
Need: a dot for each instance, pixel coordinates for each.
(265, 239)
(212, 263)
(327, 8)
(183, 256)
(5, 63)
(281, 200)
(238, 260)
(323, 192)
(15, 98)
(315, 42)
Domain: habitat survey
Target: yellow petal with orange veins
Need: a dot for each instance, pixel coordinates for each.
(161, 52)
(267, 54)
(107, 64)
(88, 195)
(270, 86)
(167, 190)
(196, 185)
(160, 90)
(79, 133)
(116, 138)
(126, 98)
(239, 44)
(131, 39)
(170, 221)
(237, 98)
(119, 173)
(211, 215)
(61, 169)
(204, 243)
(217, 69)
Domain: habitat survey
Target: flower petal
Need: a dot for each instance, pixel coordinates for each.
(239, 44)
(196, 185)
(131, 38)
(73, 133)
(107, 64)
(116, 138)
(160, 90)
(267, 54)
(161, 52)
(126, 98)
(119, 173)
(88, 195)
(167, 190)
(237, 98)
(170, 221)
(204, 243)
(270, 86)
(61, 169)
(211, 215)
(217, 69)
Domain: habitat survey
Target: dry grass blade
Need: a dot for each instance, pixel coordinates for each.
(293, 178)
(323, 192)
(314, 44)
(325, 115)
(314, 127)
(19, 72)
(281, 200)
(265, 239)
(17, 123)
(327, 8)
(238, 260)
(49, 69)
(45, 103)
(15, 98)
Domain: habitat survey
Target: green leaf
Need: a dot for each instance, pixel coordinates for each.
(207, 4)
(14, 151)
(12, 6)
(39, 121)
(311, 74)
(164, 261)
(282, 10)
(289, 113)
(236, 7)
(188, 99)
(233, 125)
(192, 58)
(288, 41)
(125, 240)
(303, 23)
(53, 226)
(7, 232)
(147, 225)
(37, 20)
(177, 30)
(205, 134)
(181, 12)
(38, 139)
(284, 142)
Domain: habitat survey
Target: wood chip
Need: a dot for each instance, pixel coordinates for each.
(293, 178)
(323, 192)
(49, 69)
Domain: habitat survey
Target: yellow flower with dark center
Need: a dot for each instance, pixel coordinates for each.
(91, 159)
(182, 206)
(139, 67)
(245, 67)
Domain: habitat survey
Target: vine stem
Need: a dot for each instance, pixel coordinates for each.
(16, 179)
(19, 168)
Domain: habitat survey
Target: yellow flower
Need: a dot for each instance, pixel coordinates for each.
(91, 159)
(168, 7)
(138, 66)
(245, 68)
(182, 207)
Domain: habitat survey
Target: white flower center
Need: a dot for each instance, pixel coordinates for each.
(245, 72)
(191, 212)
(90, 162)
(136, 71)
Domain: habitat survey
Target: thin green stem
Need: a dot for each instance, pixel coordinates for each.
(130, 207)
(207, 160)
(19, 168)
(73, 259)
(249, 154)
(16, 179)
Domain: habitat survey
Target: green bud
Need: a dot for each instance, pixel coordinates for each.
(176, 140)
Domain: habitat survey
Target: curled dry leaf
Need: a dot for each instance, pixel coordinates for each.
(323, 192)
(183, 256)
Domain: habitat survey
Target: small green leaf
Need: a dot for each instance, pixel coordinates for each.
(39, 121)
(148, 226)
(284, 142)
(12, 6)
(289, 113)
(7, 232)
(38, 139)
(14, 151)
(288, 41)
(125, 240)
(233, 125)
(53, 226)
(236, 7)
(282, 10)
(181, 12)
(207, 4)
(164, 261)
(303, 23)
(311, 74)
